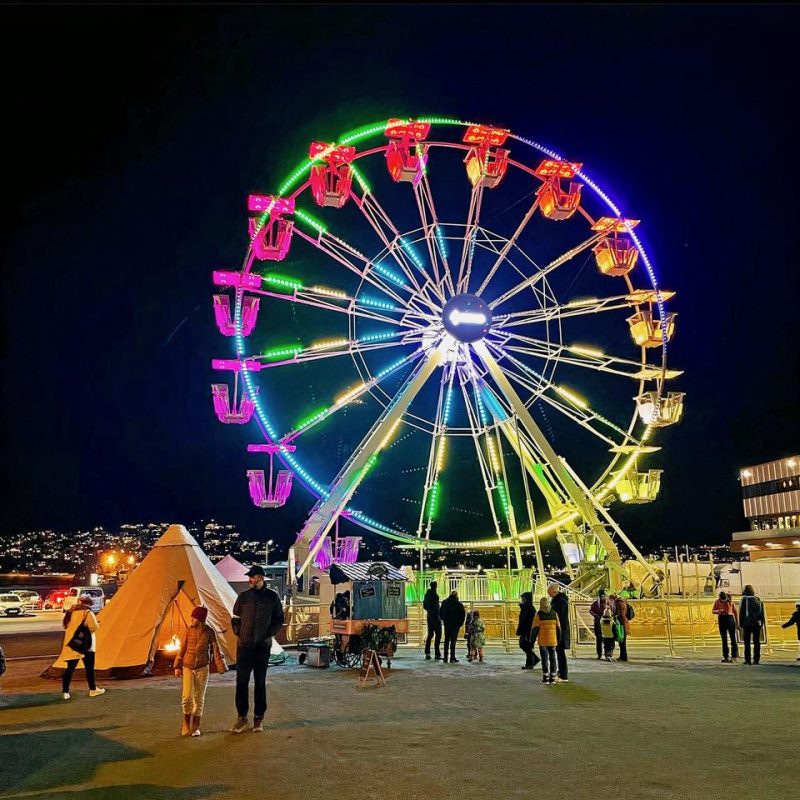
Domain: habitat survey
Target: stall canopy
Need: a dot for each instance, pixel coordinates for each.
(152, 609)
(365, 571)
(232, 570)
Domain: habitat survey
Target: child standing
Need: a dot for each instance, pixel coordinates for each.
(199, 651)
(607, 632)
(795, 620)
(547, 630)
(468, 635)
(478, 637)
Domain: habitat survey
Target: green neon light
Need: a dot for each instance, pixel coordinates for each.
(304, 216)
(283, 281)
(282, 352)
(503, 495)
(433, 501)
(360, 178)
(317, 415)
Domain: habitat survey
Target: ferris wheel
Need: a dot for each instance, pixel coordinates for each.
(453, 338)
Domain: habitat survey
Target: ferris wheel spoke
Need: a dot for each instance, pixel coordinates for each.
(506, 249)
(396, 245)
(343, 253)
(325, 349)
(437, 251)
(347, 397)
(468, 247)
(334, 501)
(574, 308)
(430, 488)
(546, 270)
(581, 356)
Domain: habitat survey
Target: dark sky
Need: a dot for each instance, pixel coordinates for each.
(134, 134)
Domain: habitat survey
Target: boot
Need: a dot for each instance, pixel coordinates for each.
(195, 725)
(186, 726)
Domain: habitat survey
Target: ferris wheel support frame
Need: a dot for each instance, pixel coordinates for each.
(327, 509)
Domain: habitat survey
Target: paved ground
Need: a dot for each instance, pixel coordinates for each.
(663, 728)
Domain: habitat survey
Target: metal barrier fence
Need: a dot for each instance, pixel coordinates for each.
(671, 623)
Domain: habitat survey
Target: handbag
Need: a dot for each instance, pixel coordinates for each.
(619, 631)
(81, 641)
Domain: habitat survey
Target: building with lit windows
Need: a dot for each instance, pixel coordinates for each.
(771, 499)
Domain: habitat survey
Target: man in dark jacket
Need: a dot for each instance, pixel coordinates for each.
(257, 617)
(453, 614)
(524, 626)
(559, 602)
(431, 606)
(596, 610)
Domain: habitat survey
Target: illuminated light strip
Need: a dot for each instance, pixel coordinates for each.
(467, 317)
(283, 281)
(389, 434)
(324, 290)
(377, 337)
(493, 455)
(440, 241)
(360, 178)
(325, 344)
(433, 501)
(448, 401)
(348, 395)
(388, 273)
(309, 220)
(283, 352)
(440, 453)
(409, 250)
(572, 397)
(392, 367)
(585, 301)
(315, 417)
(586, 351)
(503, 494)
(370, 301)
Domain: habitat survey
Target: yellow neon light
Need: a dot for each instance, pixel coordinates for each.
(572, 397)
(344, 397)
(324, 344)
(586, 351)
(324, 290)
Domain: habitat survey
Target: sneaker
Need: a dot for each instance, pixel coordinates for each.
(558, 680)
(195, 732)
(240, 726)
(65, 696)
(427, 656)
(444, 661)
(564, 680)
(96, 692)
(608, 658)
(437, 658)
(552, 681)
(725, 661)
(454, 661)
(258, 725)
(545, 679)
(599, 657)
(526, 667)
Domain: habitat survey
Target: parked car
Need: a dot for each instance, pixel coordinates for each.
(11, 605)
(55, 598)
(95, 592)
(30, 599)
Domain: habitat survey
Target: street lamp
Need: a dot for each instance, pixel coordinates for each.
(266, 556)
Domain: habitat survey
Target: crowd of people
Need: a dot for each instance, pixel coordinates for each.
(258, 616)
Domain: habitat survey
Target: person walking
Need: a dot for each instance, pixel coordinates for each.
(431, 605)
(80, 623)
(198, 652)
(751, 618)
(622, 619)
(524, 628)
(453, 614)
(477, 636)
(547, 631)
(725, 612)
(257, 617)
(596, 610)
(559, 602)
(793, 620)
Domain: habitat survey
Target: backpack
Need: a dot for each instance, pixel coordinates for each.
(81, 641)
(629, 612)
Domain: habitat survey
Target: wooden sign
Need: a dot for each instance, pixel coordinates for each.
(370, 669)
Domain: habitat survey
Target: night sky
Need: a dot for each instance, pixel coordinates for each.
(133, 136)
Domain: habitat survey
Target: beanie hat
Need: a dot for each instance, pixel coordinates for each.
(200, 612)
(86, 600)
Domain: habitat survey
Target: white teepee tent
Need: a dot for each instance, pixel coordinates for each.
(152, 609)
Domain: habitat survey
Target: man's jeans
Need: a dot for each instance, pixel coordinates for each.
(253, 660)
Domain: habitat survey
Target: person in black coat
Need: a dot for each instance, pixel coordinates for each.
(526, 614)
(453, 614)
(431, 606)
(559, 602)
(795, 620)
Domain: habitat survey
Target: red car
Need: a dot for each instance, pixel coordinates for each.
(56, 598)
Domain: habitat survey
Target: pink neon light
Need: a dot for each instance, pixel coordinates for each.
(331, 154)
(347, 550)
(274, 205)
(324, 558)
(267, 497)
(399, 129)
(233, 365)
(222, 406)
(222, 314)
(239, 279)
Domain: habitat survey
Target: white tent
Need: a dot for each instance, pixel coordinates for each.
(150, 612)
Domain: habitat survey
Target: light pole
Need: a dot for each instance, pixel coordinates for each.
(266, 555)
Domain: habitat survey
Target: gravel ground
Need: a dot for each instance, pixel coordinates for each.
(661, 728)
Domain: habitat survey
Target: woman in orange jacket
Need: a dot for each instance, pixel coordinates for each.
(725, 612)
(547, 631)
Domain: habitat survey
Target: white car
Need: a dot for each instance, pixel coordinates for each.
(11, 605)
(30, 600)
(95, 592)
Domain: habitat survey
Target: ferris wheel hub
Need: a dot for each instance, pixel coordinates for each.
(467, 318)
